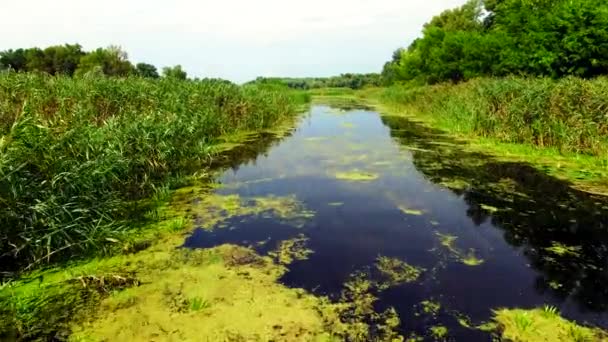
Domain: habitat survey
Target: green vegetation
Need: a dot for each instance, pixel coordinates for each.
(71, 60)
(349, 81)
(396, 272)
(467, 258)
(356, 176)
(78, 155)
(544, 324)
(552, 38)
(566, 114)
(291, 250)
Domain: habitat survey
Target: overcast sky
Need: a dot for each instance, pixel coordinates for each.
(232, 39)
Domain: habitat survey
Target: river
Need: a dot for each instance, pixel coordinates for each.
(484, 234)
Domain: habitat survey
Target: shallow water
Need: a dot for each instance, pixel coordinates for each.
(385, 186)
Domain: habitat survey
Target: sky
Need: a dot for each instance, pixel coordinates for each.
(231, 39)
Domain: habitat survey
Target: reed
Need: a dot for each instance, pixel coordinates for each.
(570, 114)
(76, 152)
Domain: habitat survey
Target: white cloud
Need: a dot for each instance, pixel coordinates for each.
(235, 39)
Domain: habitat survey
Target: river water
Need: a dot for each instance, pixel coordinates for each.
(486, 234)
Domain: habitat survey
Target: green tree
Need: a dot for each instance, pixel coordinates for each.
(13, 59)
(113, 61)
(146, 70)
(175, 72)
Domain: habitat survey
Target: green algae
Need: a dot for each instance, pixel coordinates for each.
(335, 204)
(564, 250)
(488, 208)
(214, 210)
(354, 318)
(434, 223)
(430, 307)
(542, 324)
(291, 250)
(454, 183)
(409, 211)
(467, 258)
(470, 259)
(211, 294)
(438, 332)
(347, 125)
(356, 176)
(396, 272)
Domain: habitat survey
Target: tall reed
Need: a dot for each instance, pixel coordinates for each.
(570, 114)
(75, 151)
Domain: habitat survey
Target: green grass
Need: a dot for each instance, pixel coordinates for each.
(77, 155)
(544, 324)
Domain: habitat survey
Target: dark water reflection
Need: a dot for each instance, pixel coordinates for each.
(541, 241)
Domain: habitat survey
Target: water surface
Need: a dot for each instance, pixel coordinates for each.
(533, 240)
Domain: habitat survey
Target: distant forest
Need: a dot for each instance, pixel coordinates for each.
(71, 59)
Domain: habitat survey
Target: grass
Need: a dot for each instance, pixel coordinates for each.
(543, 324)
(78, 155)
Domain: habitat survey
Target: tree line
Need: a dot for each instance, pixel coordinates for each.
(349, 80)
(72, 60)
(552, 38)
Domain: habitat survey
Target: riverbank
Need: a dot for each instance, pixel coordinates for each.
(448, 108)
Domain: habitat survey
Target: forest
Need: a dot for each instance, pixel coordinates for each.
(552, 38)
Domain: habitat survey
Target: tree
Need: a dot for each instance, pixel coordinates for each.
(112, 60)
(175, 72)
(146, 70)
(13, 59)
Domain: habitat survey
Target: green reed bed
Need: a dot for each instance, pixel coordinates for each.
(570, 114)
(75, 153)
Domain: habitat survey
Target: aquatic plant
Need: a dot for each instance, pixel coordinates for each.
(439, 332)
(354, 317)
(213, 210)
(409, 211)
(395, 272)
(356, 176)
(564, 250)
(291, 250)
(467, 258)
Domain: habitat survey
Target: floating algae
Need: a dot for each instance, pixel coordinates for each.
(356, 176)
(354, 317)
(563, 250)
(214, 210)
(430, 307)
(439, 332)
(335, 204)
(467, 258)
(409, 211)
(396, 272)
(291, 250)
